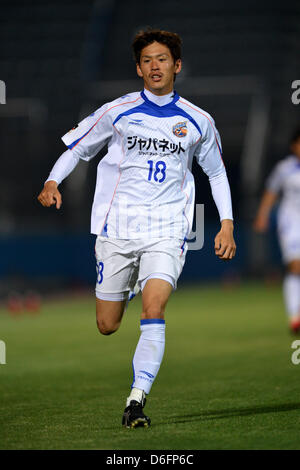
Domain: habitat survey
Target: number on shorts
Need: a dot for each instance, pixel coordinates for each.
(99, 269)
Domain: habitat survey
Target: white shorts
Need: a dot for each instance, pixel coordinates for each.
(124, 266)
(289, 234)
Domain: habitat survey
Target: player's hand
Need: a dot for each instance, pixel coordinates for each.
(225, 246)
(50, 195)
(261, 223)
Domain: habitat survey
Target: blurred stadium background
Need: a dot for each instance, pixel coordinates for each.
(62, 60)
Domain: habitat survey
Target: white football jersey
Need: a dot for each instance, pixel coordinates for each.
(144, 186)
(285, 178)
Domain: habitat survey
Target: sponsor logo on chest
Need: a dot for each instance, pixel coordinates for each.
(158, 146)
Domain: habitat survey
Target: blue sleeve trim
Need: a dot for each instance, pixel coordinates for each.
(219, 148)
(152, 320)
(77, 140)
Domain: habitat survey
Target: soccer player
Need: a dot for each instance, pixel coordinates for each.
(144, 197)
(285, 179)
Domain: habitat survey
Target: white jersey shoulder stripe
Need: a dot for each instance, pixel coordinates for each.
(76, 142)
(207, 116)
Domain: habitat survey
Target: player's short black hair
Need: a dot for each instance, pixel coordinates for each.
(146, 37)
(295, 136)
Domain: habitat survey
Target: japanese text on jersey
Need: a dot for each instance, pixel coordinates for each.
(158, 145)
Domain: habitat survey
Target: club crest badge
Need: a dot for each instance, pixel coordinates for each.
(180, 129)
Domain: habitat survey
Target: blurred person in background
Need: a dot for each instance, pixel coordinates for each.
(152, 138)
(284, 180)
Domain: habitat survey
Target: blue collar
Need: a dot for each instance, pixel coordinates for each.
(176, 98)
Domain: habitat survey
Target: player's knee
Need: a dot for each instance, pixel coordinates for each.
(106, 328)
(153, 310)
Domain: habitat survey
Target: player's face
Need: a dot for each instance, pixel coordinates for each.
(157, 68)
(295, 148)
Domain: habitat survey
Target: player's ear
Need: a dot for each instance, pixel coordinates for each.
(178, 65)
(138, 70)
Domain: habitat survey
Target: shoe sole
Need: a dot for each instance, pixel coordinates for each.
(137, 423)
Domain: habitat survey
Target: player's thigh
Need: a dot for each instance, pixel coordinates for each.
(109, 315)
(155, 296)
(160, 267)
(116, 270)
(294, 266)
(289, 239)
(115, 265)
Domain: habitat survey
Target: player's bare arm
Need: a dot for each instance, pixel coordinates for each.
(261, 221)
(50, 195)
(225, 246)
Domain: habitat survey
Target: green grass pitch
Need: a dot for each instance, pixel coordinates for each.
(226, 382)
